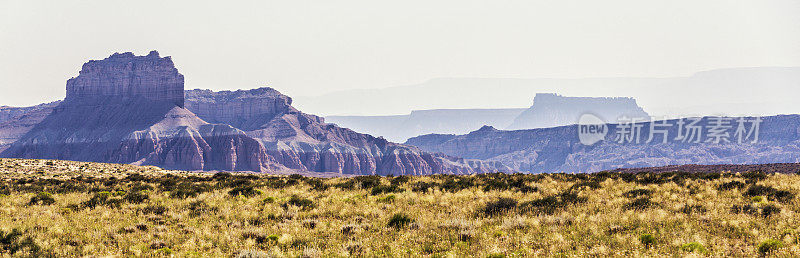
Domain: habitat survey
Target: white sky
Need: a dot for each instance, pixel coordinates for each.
(314, 47)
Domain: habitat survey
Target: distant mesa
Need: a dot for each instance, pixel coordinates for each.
(401, 127)
(130, 109)
(550, 110)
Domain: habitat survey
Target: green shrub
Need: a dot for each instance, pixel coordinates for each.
(246, 191)
(5, 189)
(381, 189)
(731, 185)
(399, 221)
(164, 251)
(782, 196)
(138, 186)
(588, 184)
(186, 189)
(647, 240)
(689, 209)
(400, 180)
(756, 190)
(299, 202)
(221, 176)
(755, 175)
(745, 208)
(455, 184)
(136, 197)
(317, 184)
(103, 198)
(422, 186)
(154, 209)
(387, 199)
(769, 246)
(500, 206)
(43, 198)
(199, 207)
(553, 203)
(693, 247)
(637, 193)
(258, 237)
(770, 210)
(13, 242)
(365, 182)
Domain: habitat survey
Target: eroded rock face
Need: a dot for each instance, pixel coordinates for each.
(183, 141)
(305, 142)
(123, 109)
(127, 75)
(241, 109)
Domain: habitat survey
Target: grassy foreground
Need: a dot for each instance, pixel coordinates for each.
(60, 208)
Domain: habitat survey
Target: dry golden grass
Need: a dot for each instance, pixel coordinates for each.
(544, 215)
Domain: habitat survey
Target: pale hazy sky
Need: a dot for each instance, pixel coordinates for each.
(314, 47)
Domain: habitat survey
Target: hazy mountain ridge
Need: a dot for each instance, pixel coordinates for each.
(548, 110)
(745, 88)
(558, 149)
(400, 128)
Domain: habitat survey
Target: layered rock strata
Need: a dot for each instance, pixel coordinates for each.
(126, 76)
(124, 109)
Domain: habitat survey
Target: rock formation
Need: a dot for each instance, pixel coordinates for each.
(17, 121)
(558, 149)
(127, 76)
(551, 110)
(124, 109)
(305, 142)
(11, 113)
(243, 109)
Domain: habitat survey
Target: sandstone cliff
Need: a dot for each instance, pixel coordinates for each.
(124, 109)
(305, 142)
(126, 76)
